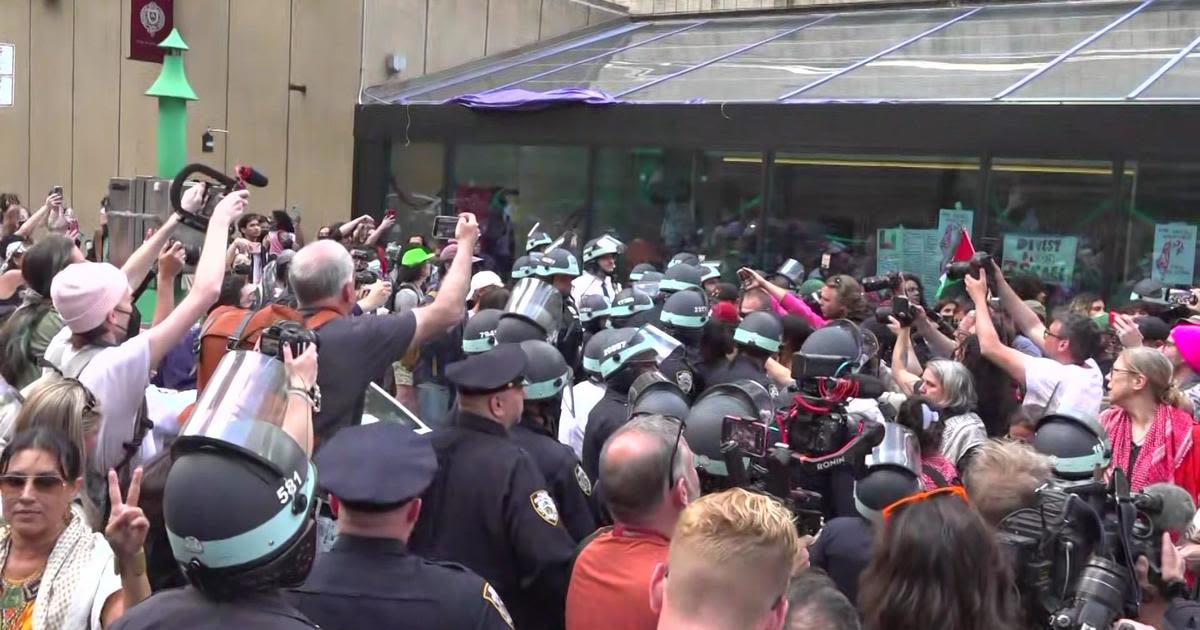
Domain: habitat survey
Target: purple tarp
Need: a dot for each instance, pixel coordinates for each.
(525, 100)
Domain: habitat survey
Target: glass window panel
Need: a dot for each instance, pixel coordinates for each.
(1121, 59)
(1043, 198)
(550, 185)
(729, 187)
(837, 203)
(526, 70)
(628, 69)
(975, 58)
(1182, 81)
(644, 195)
(1165, 194)
(771, 70)
(419, 172)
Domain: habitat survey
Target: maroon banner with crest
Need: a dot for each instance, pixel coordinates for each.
(150, 23)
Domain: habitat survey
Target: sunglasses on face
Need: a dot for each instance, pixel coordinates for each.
(957, 491)
(41, 483)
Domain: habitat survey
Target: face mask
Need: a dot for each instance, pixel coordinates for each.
(135, 323)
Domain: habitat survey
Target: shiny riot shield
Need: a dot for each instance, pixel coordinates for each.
(653, 338)
(538, 302)
(382, 407)
(898, 448)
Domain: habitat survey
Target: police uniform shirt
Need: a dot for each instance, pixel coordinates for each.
(610, 414)
(188, 608)
(568, 484)
(376, 583)
(741, 368)
(488, 509)
(677, 368)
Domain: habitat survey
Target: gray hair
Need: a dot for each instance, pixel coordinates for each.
(956, 382)
(319, 271)
(636, 485)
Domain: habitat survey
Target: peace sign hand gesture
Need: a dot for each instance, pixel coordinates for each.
(127, 524)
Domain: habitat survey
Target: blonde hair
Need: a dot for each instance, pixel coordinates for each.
(1004, 476)
(731, 555)
(1158, 372)
(66, 406)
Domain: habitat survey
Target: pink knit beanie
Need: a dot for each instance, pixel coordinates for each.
(1187, 339)
(85, 293)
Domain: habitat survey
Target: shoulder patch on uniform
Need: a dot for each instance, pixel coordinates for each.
(683, 378)
(581, 477)
(492, 597)
(543, 504)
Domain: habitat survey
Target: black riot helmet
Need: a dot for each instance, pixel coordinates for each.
(534, 311)
(627, 303)
(682, 277)
(556, 262)
(241, 523)
(593, 351)
(546, 372)
(522, 268)
(760, 330)
(655, 394)
(641, 268)
(593, 306)
(648, 343)
(742, 399)
(789, 274)
(1076, 442)
(892, 472)
(684, 314)
(537, 241)
(683, 257)
(479, 333)
(838, 345)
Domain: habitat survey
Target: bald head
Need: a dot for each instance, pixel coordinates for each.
(633, 467)
(755, 300)
(319, 272)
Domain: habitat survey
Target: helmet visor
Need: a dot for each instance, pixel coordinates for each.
(660, 342)
(792, 270)
(898, 448)
(536, 301)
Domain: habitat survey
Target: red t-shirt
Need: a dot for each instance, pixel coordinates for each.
(610, 586)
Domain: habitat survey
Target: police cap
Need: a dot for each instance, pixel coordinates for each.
(487, 372)
(381, 465)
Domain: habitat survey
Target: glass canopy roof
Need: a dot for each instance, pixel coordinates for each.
(1045, 52)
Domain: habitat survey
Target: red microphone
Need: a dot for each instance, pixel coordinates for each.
(247, 175)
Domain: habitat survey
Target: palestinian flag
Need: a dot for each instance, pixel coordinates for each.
(962, 251)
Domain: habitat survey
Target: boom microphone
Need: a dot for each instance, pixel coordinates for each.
(1169, 507)
(250, 176)
(857, 386)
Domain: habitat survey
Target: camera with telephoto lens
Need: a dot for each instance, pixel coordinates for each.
(961, 269)
(286, 333)
(904, 312)
(364, 278)
(889, 280)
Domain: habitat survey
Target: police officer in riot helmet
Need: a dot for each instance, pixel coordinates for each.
(685, 258)
(599, 268)
(653, 394)
(681, 277)
(711, 276)
(757, 337)
(378, 472)
(593, 314)
(891, 472)
(560, 268)
(788, 276)
(479, 332)
(683, 316)
(629, 353)
(546, 378)
(631, 308)
(488, 507)
(536, 242)
(261, 489)
(572, 422)
(639, 270)
(522, 267)
(534, 311)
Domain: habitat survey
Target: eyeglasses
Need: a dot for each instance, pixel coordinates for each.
(958, 491)
(674, 451)
(1123, 371)
(41, 483)
(1047, 333)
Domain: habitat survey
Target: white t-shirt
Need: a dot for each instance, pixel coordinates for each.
(1081, 389)
(118, 378)
(571, 425)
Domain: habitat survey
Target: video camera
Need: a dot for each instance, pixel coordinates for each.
(198, 219)
(286, 332)
(981, 261)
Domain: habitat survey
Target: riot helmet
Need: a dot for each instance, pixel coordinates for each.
(710, 270)
(628, 302)
(593, 306)
(893, 471)
(761, 330)
(522, 268)
(534, 311)
(741, 399)
(636, 273)
(653, 393)
(479, 333)
(556, 262)
(685, 258)
(649, 283)
(791, 273)
(593, 351)
(234, 480)
(546, 372)
(537, 241)
(1076, 443)
(682, 277)
(685, 310)
(833, 350)
(606, 245)
(647, 343)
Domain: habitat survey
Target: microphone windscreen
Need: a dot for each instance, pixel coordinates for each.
(1178, 508)
(251, 176)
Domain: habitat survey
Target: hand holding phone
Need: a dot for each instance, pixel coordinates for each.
(444, 227)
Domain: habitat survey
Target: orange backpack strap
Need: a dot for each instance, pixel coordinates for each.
(320, 318)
